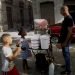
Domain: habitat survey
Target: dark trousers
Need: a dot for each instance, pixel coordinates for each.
(66, 55)
(25, 64)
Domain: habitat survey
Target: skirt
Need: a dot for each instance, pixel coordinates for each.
(14, 71)
(25, 54)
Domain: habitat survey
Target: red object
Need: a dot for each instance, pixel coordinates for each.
(56, 29)
(14, 71)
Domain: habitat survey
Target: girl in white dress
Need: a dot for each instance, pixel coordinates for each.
(25, 49)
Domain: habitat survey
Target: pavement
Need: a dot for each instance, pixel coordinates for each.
(58, 62)
(31, 61)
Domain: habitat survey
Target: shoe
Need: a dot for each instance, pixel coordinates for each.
(64, 72)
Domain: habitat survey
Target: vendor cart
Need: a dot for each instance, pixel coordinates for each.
(41, 27)
(45, 39)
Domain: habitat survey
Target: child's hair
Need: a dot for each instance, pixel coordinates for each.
(22, 30)
(4, 36)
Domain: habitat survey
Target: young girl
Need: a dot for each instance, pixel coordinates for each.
(8, 56)
(25, 49)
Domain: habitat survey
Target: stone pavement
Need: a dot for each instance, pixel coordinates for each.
(58, 61)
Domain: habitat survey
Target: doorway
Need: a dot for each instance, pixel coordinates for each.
(47, 11)
(72, 11)
(9, 17)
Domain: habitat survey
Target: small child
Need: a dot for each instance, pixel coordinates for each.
(25, 50)
(8, 56)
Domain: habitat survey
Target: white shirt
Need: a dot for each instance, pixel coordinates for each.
(6, 52)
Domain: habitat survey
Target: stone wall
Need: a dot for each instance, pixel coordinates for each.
(16, 15)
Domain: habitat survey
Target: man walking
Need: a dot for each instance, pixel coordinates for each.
(65, 37)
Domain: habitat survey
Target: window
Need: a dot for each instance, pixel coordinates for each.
(21, 5)
(9, 1)
(9, 17)
(22, 17)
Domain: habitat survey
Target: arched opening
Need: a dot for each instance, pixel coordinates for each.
(9, 17)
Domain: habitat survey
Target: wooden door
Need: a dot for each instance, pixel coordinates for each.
(47, 11)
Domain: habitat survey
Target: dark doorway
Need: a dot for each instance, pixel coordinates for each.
(9, 17)
(21, 6)
(72, 11)
(30, 13)
(22, 16)
(47, 11)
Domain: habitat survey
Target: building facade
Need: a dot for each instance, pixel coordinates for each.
(15, 13)
(50, 9)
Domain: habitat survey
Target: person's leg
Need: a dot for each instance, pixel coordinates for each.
(67, 59)
(63, 66)
(25, 65)
(66, 55)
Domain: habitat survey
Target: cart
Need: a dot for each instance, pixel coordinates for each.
(41, 28)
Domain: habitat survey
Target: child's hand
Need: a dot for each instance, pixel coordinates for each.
(18, 44)
(18, 50)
